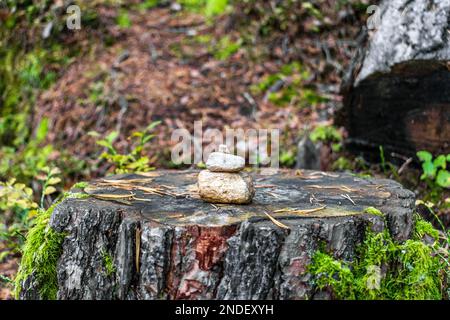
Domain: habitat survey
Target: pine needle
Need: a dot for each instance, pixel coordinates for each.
(142, 199)
(149, 174)
(341, 187)
(346, 196)
(299, 211)
(276, 222)
(138, 248)
(127, 181)
(113, 196)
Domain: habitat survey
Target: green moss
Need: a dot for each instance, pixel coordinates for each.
(374, 211)
(41, 252)
(108, 263)
(81, 195)
(423, 227)
(419, 275)
(80, 185)
(40, 256)
(333, 273)
(383, 270)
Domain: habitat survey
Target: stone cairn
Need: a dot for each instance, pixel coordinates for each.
(224, 181)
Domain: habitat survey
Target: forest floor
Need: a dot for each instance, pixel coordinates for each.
(175, 67)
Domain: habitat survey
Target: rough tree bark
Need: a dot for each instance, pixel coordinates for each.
(166, 243)
(397, 90)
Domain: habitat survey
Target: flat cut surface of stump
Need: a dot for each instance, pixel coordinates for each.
(167, 243)
(171, 197)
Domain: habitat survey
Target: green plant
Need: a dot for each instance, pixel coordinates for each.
(313, 11)
(18, 208)
(287, 87)
(108, 263)
(281, 17)
(134, 160)
(26, 161)
(15, 195)
(287, 158)
(49, 180)
(17, 202)
(327, 133)
(123, 19)
(435, 170)
(209, 8)
(6, 280)
(148, 4)
(387, 167)
(436, 178)
(342, 164)
(215, 7)
(225, 48)
(385, 269)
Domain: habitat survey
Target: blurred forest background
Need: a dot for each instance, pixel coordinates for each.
(79, 104)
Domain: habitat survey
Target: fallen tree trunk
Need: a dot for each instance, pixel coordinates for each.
(397, 91)
(151, 237)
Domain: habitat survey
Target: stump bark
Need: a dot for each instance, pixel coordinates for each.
(165, 243)
(397, 90)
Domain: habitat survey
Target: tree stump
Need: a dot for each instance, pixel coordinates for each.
(397, 91)
(151, 237)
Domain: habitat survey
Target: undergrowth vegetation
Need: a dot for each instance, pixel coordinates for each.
(287, 87)
(134, 160)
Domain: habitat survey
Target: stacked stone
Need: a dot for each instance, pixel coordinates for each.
(224, 181)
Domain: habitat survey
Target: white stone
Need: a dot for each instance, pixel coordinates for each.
(225, 187)
(224, 162)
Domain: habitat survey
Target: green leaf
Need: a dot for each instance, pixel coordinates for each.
(137, 134)
(429, 171)
(325, 133)
(42, 130)
(55, 171)
(94, 134)
(5, 278)
(49, 190)
(440, 162)
(215, 7)
(424, 156)
(112, 136)
(46, 169)
(123, 19)
(148, 138)
(53, 181)
(152, 125)
(104, 143)
(443, 179)
(148, 4)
